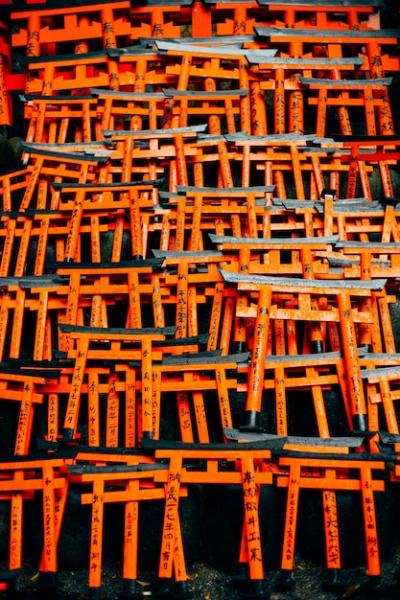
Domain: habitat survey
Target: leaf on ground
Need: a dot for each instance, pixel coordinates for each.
(349, 591)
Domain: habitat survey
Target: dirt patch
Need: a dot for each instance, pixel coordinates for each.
(207, 583)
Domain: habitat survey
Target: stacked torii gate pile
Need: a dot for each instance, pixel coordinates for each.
(200, 256)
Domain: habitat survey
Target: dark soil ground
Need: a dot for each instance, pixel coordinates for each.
(207, 583)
